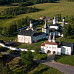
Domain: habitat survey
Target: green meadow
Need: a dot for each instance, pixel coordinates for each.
(47, 9)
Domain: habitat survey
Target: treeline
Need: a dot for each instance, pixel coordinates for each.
(2, 2)
(13, 11)
(68, 0)
(68, 29)
(19, 1)
(14, 26)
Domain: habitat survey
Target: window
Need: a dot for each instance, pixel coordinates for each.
(49, 47)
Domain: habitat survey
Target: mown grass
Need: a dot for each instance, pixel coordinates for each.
(12, 38)
(48, 9)
(62, 39)
(32, 46)
(40, 56)
(65, 59)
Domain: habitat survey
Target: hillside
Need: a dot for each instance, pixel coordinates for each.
(48, 9)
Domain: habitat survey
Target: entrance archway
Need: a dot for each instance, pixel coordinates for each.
(48, 51)
(54, 52)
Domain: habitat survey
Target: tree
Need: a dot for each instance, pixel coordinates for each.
(27, 58)
(68, 30)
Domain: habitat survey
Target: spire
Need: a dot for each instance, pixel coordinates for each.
(45, 25)
(54, 40)
(54, 20)
(49, 37)
(31, 25)
(63, 22)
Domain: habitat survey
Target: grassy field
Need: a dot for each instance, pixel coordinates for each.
(65, 59)
(65, 40)
(48, 9)
(13, 38)
(32, 46)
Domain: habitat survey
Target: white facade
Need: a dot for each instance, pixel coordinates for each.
(31, 39)
(24, 39)
(55, 27)
(52, 48)
(66, 50)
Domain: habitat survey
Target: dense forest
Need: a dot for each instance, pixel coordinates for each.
(13, 11)
(18, 1)
(3, 2)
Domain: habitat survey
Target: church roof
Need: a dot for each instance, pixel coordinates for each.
(29, 33)
(50, 43)
(40, 33)
(66, 44)
(26, 32)
(43, 44)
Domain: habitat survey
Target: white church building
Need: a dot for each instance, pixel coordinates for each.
(30, 35)
(54, 27)
(52, 47)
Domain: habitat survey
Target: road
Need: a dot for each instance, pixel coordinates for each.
(66, 69)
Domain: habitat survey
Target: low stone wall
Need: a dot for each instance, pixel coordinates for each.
(14, 48)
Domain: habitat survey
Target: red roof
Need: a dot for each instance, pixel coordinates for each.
(43, 44)
(50, 43)
(42, 17)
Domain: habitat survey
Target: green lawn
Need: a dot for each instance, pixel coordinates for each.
(32, 46)
(65, 59)
(12, 38)
(40, 56)
(65, 40)
(48, 9)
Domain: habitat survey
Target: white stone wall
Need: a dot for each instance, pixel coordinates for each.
(66, 50)
(39, 37)
(14, 48)
(55, 27)
(58, 51)
(24, 39)
(21, 38)
(52, 48)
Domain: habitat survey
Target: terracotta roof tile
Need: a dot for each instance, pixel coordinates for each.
(51, 43)
(43, 44)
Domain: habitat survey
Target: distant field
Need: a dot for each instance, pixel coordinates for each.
(48, 9)
(4, 7)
